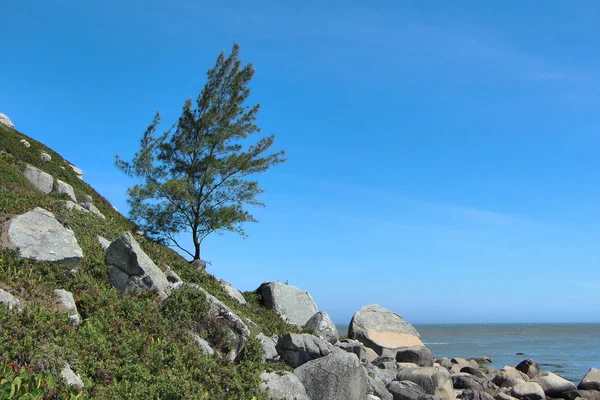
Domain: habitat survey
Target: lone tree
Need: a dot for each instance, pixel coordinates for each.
(195, 177)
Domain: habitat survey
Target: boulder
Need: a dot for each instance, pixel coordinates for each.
(132, 268)
(338, 376)
(67, 304)
(473, 371)
(25, 143)
(466, 381)
(172, 276)
(71, 378)
(528, 367)
(444, 362)
(381, 375)
(10, 300)
(591, 380)
(39, 236)
(78, 171)
(459, 363)
(74, 206)
(584, 394)
(6, 121)
(419, 355)
(378, 388)
(405, 390)
(45, 157)
(381, 329)
(204, 346)
(353, 346)
(105, 242)
(88, 198)
(509, 374)
(387, 362)
(298, 348)
(323, 326)
(289, 302)
(470, 394)
(480, 359)
(282, 387)
(41, 180)
(503, 396)
(269, 346)
(553, 385)
(232, 292)
(528, 391)
(434, 380)
(93, 209)
(63, 187)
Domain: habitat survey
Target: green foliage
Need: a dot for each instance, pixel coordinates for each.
(186, 306)
(17, 383)
(194, 178)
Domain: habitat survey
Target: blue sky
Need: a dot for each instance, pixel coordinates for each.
(442, 157)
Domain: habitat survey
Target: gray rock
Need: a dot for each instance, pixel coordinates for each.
(553, 385)
(470, 394)
(63, 187)
(381, 329)
(591, 380)
(172, 276)
(584, 394)
(405, 390)
(25, 143)
(105, 242)
(6, 121)
(338, 376)
(528, 367)
(233, 292)
(298, 348)
(268, 345)
(372, 397)
(45, 157)
(480, 359)
(387, 362)
(41, 180)
(378, 388)
(466, 381)
(77, 171)
(419, 355)
(71, 378)
(88, 198)
(93, 209)
(459, 363)
(282, 387)
(473, 371)
(323, 326)
(39, 236)
(435, 381)
(528, 391)
(67, 304)
(10, 300)
(444, 362)
(132, 268)
(381, 375)
(509, 374)
(289, 302)
(353, 346)
(204, 346)
(73, 206)
(503, 396)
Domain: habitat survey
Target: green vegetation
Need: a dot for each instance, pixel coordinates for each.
(194, 179)
(127, 346)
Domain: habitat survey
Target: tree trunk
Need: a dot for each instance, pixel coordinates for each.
(197, 252)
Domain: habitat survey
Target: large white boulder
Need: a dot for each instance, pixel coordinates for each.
(6, 121)
(38, 178)
(67, 304)
(10, 300)
(232, 292)
(292, 304)
(63, 187)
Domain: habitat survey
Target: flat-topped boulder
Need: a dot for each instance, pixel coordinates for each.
(41, 180)
(553, 385)
(290, 303)
(381, 329)
(39, 236)
(6, 121)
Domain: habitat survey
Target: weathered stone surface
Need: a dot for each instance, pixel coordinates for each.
(338, 376)
(289, 302)
(45, 157)
(353, 346)
(323, 326)
(435, 381)
(473, 371)
(78, 171)
(88, 198)
(470, 394)
(73, 206)
(204, 346)
(591, 380)
(63, 187)
(25, 143)
(503, 396)
(172, 276)
(41, 180)
(378, 388)
(405, 390)
(553, 385)
(67, 304)
(528, 367)
(132, 268)
(282, 387)
(71, 378)
(584, 394)
(528, 391)
(6, 121)
(459, 363)
(39, 236)
(268, 345)
(509, 374)
(10, 300)
(93, 209)
(104, 242)
(233, 292)
(444, 362)
(381, 329)
(386, 362)
(419, 355)
(466, 381)
(480, 359)
(298, 348)
(383, 376)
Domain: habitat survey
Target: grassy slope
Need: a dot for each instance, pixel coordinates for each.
(126, 346)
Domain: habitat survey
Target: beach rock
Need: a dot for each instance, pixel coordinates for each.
(93, 209)
(39, 236)
(338, 376)
(25, 143)
(503, 396)
(381, 375)
(381, 329)
(553, 385)
(405, 390)
(353, 346)
(387, 362)
(268, 345)
(67, 304)
(282, 387)
(466, 381)
(6, 121)
(444, 362)
(591, 380)
(323, 326)
(10, 300)
(480, 359)
(528, 391)
(63, 187)
(298, 348)
(372, 397)
(459, 363)
(232, 292)
(132, 268)
(419, 355)
(434, 380)
(378, 388)
(289, 302)
(470, 394)
(473, 371)
(77, 171)
(528, 367)
(204, 346)
(71, 378)
(41, 180)
(509, 374)
(104, 242)
(45, 157)
(584, 394)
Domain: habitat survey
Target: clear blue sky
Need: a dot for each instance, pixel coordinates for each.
(443, 156)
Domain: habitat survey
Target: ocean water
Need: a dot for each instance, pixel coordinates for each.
(568, 350)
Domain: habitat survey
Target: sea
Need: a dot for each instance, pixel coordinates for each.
(568, 350)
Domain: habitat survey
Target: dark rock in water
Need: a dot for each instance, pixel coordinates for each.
(591, 380)
(520, 354)
(584, 394)
(419, 355)
(405, 390)
(474, 383)
(473, 371)
(480, 359)
(528, 367)
(470, 394)
(553, 385)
